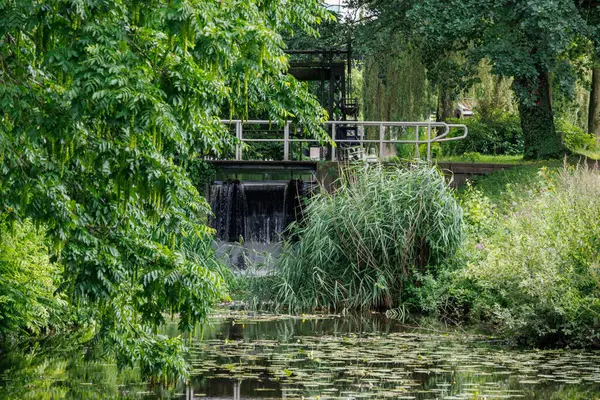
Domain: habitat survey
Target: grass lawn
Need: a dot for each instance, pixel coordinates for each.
(482, 158)
(504, 159)
(591, 154)
(514, 186)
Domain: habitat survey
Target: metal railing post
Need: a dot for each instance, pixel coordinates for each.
(361, 134)
(238, 146)
(333, 140)
(417, 155)
(381, 139)
(429, 142)
(286, 142)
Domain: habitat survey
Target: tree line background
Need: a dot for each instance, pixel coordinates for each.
(535, 60)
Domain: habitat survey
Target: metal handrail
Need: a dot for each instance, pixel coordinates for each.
(383, 125)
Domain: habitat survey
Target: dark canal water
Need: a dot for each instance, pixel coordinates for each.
(247, 356)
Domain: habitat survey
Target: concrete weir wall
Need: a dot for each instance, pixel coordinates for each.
(457, 173)
(460, 172)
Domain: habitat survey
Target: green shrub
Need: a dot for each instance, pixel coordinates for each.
(536, 267)
(499, 134)
(202, 174)
(365, 245)
(28, 303)
(504, 190)
(575, 138)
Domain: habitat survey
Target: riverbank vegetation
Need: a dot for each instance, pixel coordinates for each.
(522, 262)
(529, 266)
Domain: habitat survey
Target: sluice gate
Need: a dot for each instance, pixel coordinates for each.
(255, 211)
(253, 204)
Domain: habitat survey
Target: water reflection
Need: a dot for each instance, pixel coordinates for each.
(374, 357)
(246, 356)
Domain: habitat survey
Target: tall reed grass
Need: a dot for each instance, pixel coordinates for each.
(361, 246)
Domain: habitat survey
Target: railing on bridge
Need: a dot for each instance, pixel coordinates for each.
(365, 133)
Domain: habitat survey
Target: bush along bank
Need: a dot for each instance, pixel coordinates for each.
(532, 270)
(521, 260)
(500, 134)
(363, 246)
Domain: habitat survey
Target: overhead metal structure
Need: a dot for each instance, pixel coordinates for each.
(332, 70)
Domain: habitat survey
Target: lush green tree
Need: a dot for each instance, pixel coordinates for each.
(528, 41)
(386, 29)
(523, 40)
(103, 104)
(590, 10)
(395, 86)
(28, 303)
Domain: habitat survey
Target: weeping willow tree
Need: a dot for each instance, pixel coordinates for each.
(103, 105)
(492, 93)
(574, 108)
(395, 87)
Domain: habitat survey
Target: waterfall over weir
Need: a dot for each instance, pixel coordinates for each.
(251, 217)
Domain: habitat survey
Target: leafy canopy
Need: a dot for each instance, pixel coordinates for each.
(103, 105)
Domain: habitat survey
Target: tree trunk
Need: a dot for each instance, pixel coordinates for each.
(445, 105)
(541, 141)
(594, 110)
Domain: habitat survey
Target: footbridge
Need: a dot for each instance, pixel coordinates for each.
(267, 150)
(348, 140)
(270, 151)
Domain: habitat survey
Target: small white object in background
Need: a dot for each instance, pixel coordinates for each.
(372, 157)
(315, 153)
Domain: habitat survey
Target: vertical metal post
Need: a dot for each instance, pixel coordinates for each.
(417, 155)
(238, 146)
(429, 141)
(237, 386)
(361, 135)
(333, 140)
(286, 142)
(381, 139)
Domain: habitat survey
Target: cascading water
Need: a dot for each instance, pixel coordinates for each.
(251, 217)
(227, 201)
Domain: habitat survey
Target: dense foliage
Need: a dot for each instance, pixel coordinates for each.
(103, 105)
(529, 267)
(500, 133)
(363, 246)
(542, 46)
(28, 302)
(547, 290)
(523, 40)
(395, 86)
(526, 268)
(575, 138)
(496, 134)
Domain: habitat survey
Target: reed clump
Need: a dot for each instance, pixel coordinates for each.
(364, 245)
